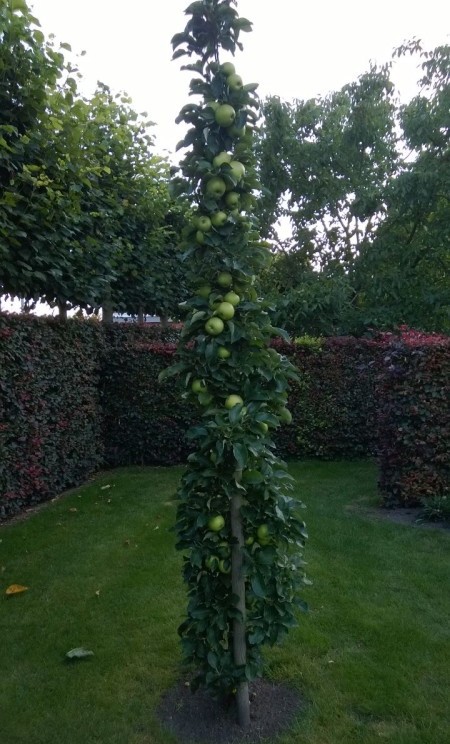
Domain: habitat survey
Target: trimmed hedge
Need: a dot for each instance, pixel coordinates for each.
(334, 404)
(75, 396)
(414, 421)
(144, 420)
(50, 421)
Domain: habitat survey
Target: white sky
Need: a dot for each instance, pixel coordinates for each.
(296, 50)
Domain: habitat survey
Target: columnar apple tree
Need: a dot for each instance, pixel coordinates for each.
(237, 526)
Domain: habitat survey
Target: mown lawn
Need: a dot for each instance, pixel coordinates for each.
(372, 657)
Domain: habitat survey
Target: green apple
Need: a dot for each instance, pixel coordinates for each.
(237, 169)
(214, 105)
(263, 533)
(228, 68)
(200, 237)
(233, 400)
(223, 353)
(203, 291)
(216, 187)
(216, 523)
(218, 219)
(224, 566)
(204, 223)
(225, 115)
(214, 326)
(285, 415)
(249, 475)
(205, 399)
(236, 132)
(222, 158)
(232, 199)
(225, 310)
(235, 82)
(212, 562)
(263, 426)
(225, 279)
(250, 540)
(232, 298)
(198, 386)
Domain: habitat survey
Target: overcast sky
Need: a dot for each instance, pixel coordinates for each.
(296, 49)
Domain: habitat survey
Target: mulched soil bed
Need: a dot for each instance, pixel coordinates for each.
(196, 717)
(401, 515)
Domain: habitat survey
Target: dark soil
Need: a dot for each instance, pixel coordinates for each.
(400, 515)
(196, 717)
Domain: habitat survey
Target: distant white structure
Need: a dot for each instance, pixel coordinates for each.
(126, 318)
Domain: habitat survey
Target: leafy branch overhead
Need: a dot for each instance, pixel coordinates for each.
(85, 209)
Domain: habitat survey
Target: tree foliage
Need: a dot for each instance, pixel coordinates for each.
(404, 274)
(364, 184)
(86, 218)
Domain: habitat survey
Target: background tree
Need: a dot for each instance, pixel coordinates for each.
(404, 275)
(85, 209)
(363, 183)
(30, 67)
(329, 169)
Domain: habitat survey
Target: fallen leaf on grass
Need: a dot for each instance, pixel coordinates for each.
(15, 589)
(79, 653)
(73, 509)
(103, 488)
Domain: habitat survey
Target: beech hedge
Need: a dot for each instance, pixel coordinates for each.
(144, 420)
(76, 396)
(414, 420)
(334, 404)
(50, 417)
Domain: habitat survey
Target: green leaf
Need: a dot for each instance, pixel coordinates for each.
(256, 637)
(240, 454)
(179, 53)
(179, 39)
(258, 588)
(197, 7)
(234, 414)
(19, 5)
(243, 24)
(212, 659)
(79, 653)
(171, 371)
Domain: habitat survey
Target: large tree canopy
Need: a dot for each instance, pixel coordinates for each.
(86, 218)
(364, 185)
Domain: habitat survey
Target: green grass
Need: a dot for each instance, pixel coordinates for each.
(371, 658)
